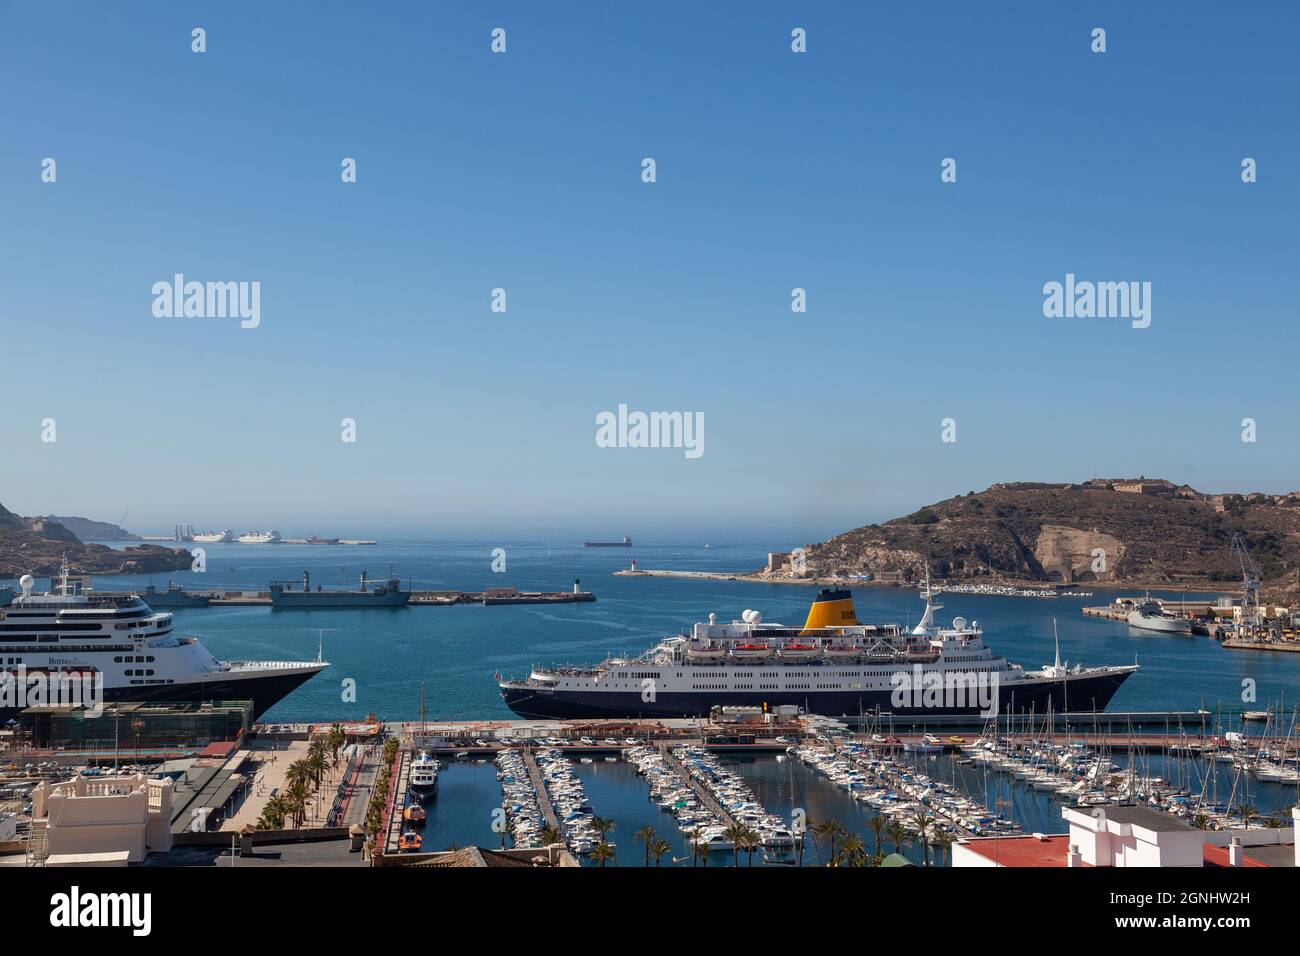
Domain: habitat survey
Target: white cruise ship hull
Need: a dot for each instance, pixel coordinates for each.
(114, 647)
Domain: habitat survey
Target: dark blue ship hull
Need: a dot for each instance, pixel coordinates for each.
(1072, 694)
(265, 692)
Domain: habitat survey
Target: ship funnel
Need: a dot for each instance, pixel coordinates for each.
(831, 608)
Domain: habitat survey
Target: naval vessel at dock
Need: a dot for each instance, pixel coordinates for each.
(292, 594)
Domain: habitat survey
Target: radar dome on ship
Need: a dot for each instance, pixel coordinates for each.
(26, 582)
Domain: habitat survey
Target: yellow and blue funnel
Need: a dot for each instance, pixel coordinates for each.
(831, 608)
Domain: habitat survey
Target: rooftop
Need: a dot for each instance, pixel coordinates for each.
(1030, 851)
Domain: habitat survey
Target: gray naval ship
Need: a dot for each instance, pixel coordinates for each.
(294, 594)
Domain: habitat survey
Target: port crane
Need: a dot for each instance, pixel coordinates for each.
(1251, 623)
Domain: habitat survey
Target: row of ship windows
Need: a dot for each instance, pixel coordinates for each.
(157, 681)
(53, 638)
(138, 672)
(75, 626)
(72, 648)
(102, 616)
(874, 673)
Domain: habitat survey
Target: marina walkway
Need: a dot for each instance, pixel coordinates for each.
(543, 797)
(701, 791)
(394, 833)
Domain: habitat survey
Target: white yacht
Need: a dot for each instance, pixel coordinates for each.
(424, 773)
(215, 537)
(116, 637)
(1151, 616)
(260, 537)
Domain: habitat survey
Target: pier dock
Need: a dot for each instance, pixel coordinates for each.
(701, 792)
(492, 597)
(543, 795)
(398, 802)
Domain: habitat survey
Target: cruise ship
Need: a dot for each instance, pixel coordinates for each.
(260, 537)
(832, 666)
(75, 630)
(224, 536)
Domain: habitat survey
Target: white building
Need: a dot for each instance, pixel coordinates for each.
(1134, 836)
(104, 820)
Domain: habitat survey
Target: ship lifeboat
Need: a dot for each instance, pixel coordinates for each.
(838, 651)
(751, 651)
(705, 652)
(414, 815)
(410, 843)
(798, 652)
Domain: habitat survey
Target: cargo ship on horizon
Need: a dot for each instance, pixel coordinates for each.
(625, 543)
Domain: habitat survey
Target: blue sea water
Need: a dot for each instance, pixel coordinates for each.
(454, 651)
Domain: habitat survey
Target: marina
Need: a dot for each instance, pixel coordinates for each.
(637, 773)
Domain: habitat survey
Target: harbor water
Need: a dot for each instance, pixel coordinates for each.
(454, 651)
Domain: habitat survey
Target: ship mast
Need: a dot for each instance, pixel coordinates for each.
(927, 619)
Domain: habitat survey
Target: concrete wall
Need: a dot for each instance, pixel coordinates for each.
(106, 814)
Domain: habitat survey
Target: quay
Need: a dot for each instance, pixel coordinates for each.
(397, 803)
(1247, 645)
(1119, 612)
(492, 597)
(543, 795)
(701, 792)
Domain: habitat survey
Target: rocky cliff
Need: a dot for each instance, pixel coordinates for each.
(39, 545)
(1113, 530)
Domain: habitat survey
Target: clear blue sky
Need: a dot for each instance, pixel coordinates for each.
(522, 170)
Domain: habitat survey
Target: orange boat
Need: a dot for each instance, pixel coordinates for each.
(410, 842)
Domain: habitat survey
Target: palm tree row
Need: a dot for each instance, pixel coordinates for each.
(302, 782)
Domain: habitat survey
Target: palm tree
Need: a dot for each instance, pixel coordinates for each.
(296, 802)
(549, 835)
(602, 852)
(602, 825)
(897, 835)
(658, 846)
(832, 830)
(943, 839)
(699, 848)
(1274, 823)
(272, 817)
(647, 835)
(877, 823)
(852, 851)
(922, 822)
(751, 840)
(877, 858)
(1248, 813)
(735, 835)
(1201, 821)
